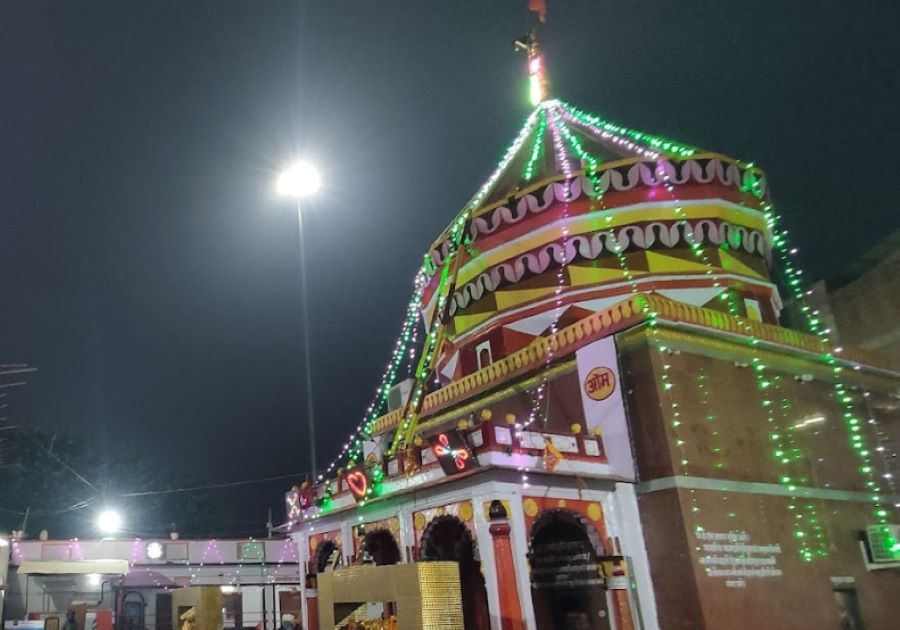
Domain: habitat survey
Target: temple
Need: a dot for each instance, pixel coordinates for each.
(607, 426)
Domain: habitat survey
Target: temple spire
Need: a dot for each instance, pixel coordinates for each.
(537, 77)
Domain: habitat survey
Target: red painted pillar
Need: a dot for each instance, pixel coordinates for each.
(510, 608)
(312, 603)
(620, 598)
(312, 611)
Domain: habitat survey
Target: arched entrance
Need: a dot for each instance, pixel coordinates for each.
(381, 545)
(323, 554)
(133, 606)
(566, 585)
(448, 538)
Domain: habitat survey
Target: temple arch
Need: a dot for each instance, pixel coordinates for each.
(567, 588)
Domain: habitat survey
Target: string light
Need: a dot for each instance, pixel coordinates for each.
(539, 395)
(803, 521)
(565, 123)
(843, 396)
(404, 349)
(537, 147)
(629, 138)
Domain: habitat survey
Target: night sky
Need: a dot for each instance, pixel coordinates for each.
(150, 273)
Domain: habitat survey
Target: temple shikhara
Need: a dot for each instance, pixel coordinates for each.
(606, 422)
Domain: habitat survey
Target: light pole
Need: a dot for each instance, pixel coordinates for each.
(109, 522)
(299, 181)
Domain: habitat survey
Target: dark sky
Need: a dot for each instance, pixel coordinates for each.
(149, 272)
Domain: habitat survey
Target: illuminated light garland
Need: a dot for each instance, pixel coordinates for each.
(454, 241)
(709, 419)
(881, 439)
(562, 158)
(537, 147)
(814, 323)
(589, 162)
(605, 135)
(667, 385)
(540, 394)
(615, 132)
(404, 349)
(539, 119)
(793, 454)
(485, 189)
(808, 550)
(511, 152)
(434, 338)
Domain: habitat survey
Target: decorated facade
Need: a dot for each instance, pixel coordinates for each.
(605, 425)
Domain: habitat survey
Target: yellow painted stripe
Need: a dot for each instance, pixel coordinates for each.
(596, 221)
(579, 276)
(465, 322)
(660, 263)
(734, 265)
(509, 299)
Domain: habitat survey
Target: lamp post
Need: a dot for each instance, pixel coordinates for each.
(109, 522)
(299, 181)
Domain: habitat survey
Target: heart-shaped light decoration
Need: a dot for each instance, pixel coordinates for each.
(358, 483)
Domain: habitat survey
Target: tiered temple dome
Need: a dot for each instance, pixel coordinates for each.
(582, 211)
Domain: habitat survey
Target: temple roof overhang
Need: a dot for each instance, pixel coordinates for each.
(636, 310)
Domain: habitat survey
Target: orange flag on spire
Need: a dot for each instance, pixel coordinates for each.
(539, 7)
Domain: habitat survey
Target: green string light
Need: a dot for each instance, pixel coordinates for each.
(646, 140)
(589, 161)
(810, 546)
(537, 147)
(843, 396)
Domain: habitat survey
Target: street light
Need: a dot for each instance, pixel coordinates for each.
(298, 181)
(109, 522)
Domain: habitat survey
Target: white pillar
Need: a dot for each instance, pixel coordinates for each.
(486, 555)
(519, 538)
(301, 539)
(406, 533)
(346, 541)
(627, 520)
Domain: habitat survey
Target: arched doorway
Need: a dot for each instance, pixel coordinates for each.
(381, 545)
(323, 554)
(133, 606)
(448, 538)
(566, 586)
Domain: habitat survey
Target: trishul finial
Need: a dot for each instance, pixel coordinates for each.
(537, 78)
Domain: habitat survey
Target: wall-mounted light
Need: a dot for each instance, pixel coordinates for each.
(154, 550)
(810, 420)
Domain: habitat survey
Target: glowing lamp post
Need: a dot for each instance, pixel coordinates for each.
(109, 522)
(299, 181)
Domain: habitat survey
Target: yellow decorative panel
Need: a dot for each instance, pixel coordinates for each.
(670, 264)
(596, 275)
(731, 263)
(427, 594)
(509, 299)
(596, 221)
(465, 322)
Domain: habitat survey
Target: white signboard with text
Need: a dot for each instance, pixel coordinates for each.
(604, 407)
